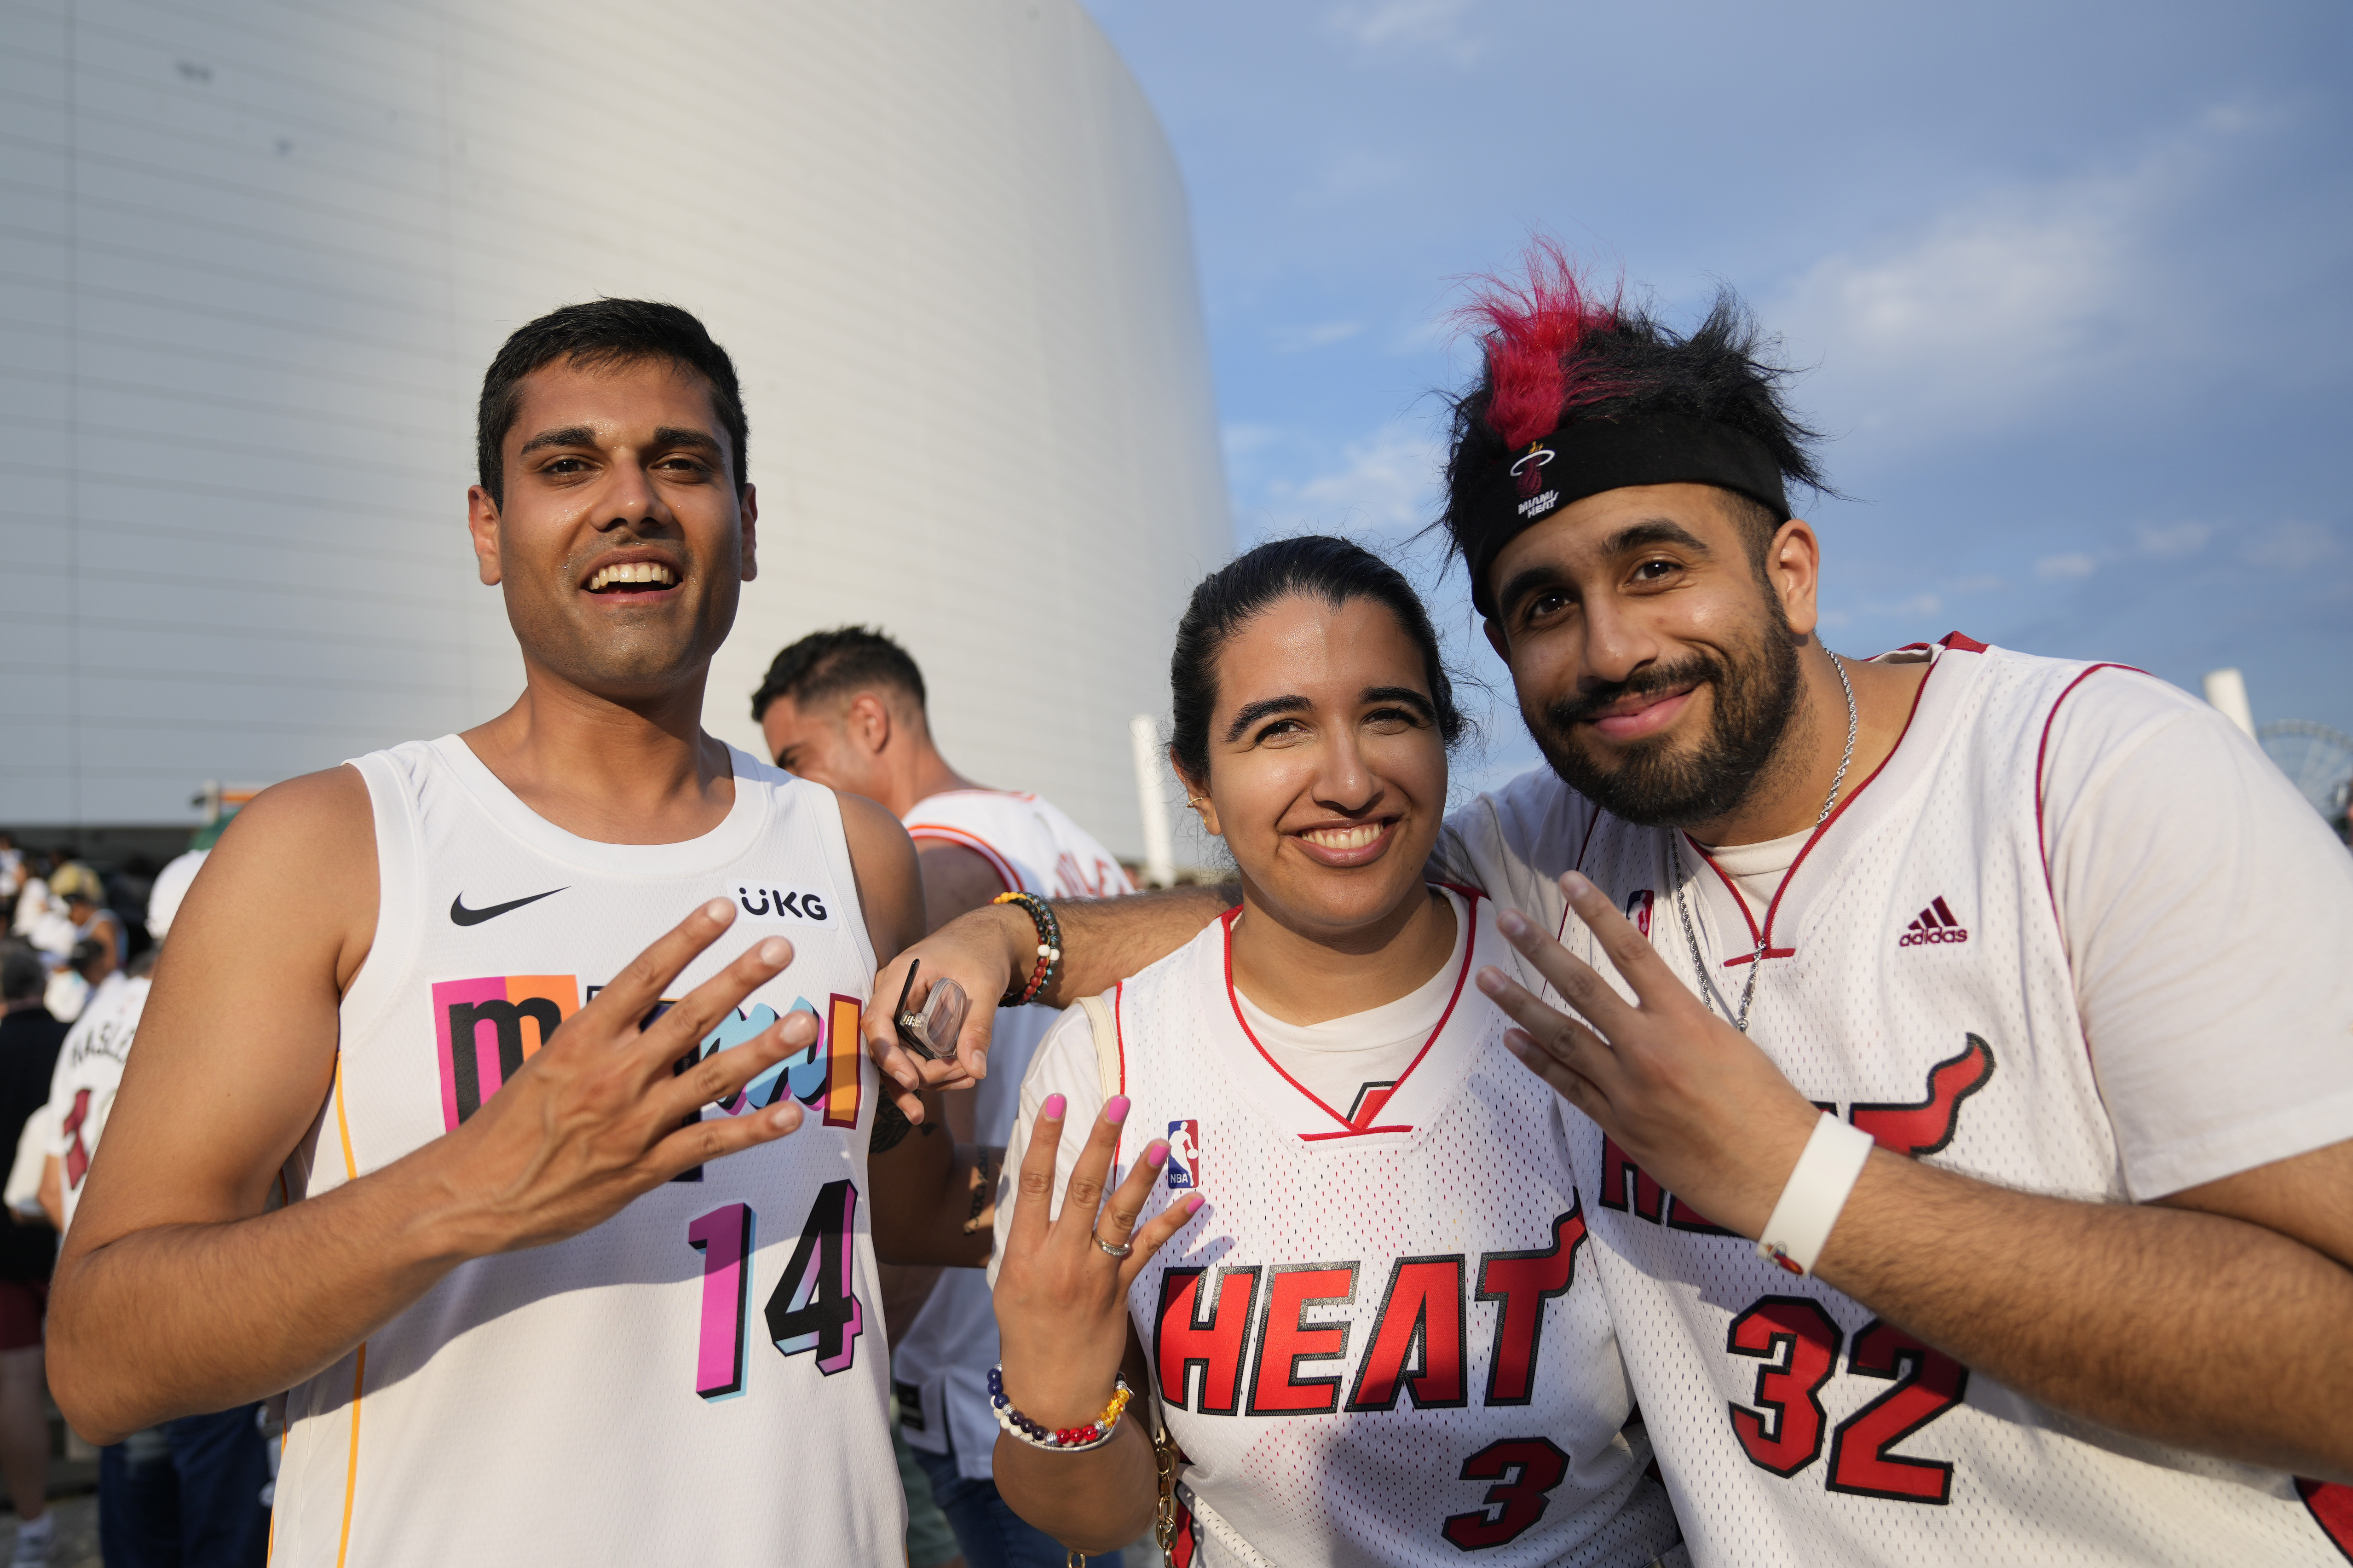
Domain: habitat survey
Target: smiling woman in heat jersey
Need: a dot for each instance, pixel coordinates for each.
(1393, 1248)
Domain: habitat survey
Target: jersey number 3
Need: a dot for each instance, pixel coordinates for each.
(814, 1310)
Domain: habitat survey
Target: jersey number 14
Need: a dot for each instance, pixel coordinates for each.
(814, 1310)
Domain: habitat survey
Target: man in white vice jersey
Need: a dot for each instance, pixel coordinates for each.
(2086, 1299)
(553, 1284)
(847, 709)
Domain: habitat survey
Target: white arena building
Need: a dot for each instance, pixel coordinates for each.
(255, 255)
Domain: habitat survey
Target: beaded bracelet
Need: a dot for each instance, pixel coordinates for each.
(1064, 1439)
(1049, 946)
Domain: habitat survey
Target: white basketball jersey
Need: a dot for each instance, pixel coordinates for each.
(1381, 1342)
(83, 1084)
(700, 1378)
(942, 1360)
(1918, 985)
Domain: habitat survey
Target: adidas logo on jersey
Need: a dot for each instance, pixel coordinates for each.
(1936, 924)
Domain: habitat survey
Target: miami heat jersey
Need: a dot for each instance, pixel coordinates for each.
(942, 1360)
(700, 1377)
(1918, 985)
(1381, 1342)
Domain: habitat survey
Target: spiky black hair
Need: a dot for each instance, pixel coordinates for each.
(1553, 353)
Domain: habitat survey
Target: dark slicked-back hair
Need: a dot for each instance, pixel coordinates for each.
(600, 334)
(22, 972)
(1316, 565)
(1554, 352)
(834, 664)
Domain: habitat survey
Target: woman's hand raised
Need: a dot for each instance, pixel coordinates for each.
(1062, 1291)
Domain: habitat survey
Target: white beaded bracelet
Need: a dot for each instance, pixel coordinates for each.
(1817, 1190)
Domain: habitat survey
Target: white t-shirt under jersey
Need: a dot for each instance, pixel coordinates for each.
(1340, 1061)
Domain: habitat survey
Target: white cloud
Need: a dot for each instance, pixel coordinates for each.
(2172, 539)
(1294, 340)
(1240, 440)
(1387, 482)
(2294, 546)
(1423, 24)
(1987, 312)
(2065, 568)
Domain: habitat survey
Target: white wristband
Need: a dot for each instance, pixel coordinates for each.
(1817, 1190)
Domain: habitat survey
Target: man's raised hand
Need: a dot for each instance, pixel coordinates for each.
(602, 1112)
(1689, 1098)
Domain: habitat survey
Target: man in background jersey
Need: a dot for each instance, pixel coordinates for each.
(847, 708)
(2053, 934)
(184, 1493)
(30, 1036)
(518, 1295)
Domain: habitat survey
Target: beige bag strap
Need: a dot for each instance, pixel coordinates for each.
(1105, 1029)
(1165, 1458)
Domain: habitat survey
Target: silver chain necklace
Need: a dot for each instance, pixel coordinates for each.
(1676, 870)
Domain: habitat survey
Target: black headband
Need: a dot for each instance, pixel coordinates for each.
(1585, 457)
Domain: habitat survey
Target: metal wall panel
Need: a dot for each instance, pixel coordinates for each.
(254, 255)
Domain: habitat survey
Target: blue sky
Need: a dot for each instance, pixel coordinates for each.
(2074, 284)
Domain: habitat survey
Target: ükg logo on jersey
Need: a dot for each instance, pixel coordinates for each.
(788, 904)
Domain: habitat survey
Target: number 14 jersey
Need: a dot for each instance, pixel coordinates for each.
(699, 1378)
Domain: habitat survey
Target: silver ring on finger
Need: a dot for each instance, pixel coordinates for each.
(1122, 1250)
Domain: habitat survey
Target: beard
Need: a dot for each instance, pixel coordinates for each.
(1665, 780)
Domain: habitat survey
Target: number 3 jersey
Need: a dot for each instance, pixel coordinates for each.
(1381, 1342)
(1920, 984)
(699, 1378)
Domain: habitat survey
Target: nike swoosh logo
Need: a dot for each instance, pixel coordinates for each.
(460, 915)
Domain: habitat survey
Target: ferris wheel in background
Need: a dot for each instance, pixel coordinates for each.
(2316, 759)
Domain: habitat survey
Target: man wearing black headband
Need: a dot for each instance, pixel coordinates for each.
(1965, 1124)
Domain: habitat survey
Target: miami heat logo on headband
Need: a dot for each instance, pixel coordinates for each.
(1528, 470)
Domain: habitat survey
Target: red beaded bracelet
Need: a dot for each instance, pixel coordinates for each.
(1049, 946)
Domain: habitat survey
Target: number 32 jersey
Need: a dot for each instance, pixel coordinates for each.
(1918, 985)
(701, 1376)
(1381, 1340)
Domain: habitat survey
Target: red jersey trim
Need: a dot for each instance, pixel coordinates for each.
(1348, 1128)
(1119, 1030)
(2042, 754)
(1829, 822)
(940, 832)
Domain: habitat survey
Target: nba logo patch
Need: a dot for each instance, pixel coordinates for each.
(1638, 908)
(1183, 1155)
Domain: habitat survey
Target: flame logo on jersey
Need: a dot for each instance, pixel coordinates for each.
(1183, 1155)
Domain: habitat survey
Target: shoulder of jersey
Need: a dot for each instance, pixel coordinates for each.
(981, 811)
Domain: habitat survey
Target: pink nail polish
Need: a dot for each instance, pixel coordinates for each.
(1115, 1110)
(1156, 1154)
(1053, 1110)
(1193, 1205)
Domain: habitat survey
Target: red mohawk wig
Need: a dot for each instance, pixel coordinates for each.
(1531, 331)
